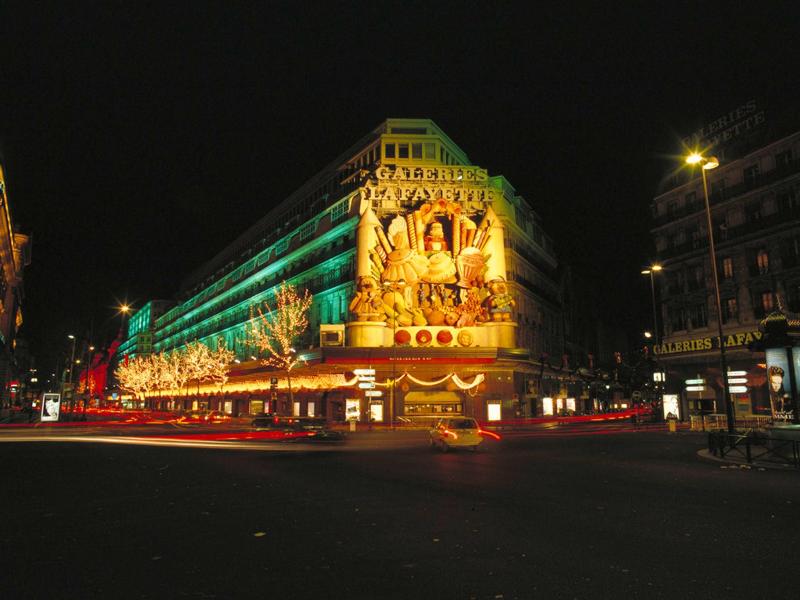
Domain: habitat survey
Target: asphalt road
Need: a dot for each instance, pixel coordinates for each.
(545, 515)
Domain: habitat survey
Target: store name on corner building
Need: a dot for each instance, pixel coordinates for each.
(707, 343)
(427, 184)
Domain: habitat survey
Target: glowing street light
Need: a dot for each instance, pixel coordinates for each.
(656, 268)
(708, 164)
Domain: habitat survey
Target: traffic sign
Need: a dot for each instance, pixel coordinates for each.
(364, 371)
(373, 393)
(366, 385)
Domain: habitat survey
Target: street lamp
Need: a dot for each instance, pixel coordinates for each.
(708, 164)
(649, 271)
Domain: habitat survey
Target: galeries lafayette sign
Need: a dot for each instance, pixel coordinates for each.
(707, 343)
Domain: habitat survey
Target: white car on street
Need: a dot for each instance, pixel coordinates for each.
(456, 432)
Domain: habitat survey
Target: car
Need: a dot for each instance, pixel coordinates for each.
(456, 432)
(203, 416)
(307, 429)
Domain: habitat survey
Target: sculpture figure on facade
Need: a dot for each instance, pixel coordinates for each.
(434, 240)
(367, 303)
(402, 262)
(500, 302)
(398, 310)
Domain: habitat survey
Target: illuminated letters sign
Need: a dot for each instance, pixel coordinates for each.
(708, 343)
(426, 184)
(725, 128)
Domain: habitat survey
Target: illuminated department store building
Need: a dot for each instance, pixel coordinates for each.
(423, 267)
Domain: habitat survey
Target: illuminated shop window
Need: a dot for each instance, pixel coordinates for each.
(493, 411)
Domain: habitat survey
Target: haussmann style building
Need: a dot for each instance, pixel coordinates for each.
(754, 197)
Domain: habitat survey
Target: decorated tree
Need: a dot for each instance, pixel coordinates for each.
(134, 375)
(219, 363)
(197, 361)
(274, 331)
(176, 370)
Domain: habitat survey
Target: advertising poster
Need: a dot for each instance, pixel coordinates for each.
(51, 407)
(779, 384)
(671, 406)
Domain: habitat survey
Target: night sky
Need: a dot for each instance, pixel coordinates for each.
(140, 138)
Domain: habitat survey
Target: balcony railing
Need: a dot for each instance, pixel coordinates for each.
(728, 193)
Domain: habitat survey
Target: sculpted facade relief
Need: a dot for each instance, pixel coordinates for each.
(431, 266)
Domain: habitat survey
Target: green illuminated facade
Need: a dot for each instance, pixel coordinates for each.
(310, 241)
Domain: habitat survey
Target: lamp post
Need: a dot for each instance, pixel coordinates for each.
(71, 366)
(708, 164)
(88, 378)
(650, 271)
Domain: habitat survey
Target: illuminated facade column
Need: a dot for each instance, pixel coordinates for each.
(495, 248)
(366, 238)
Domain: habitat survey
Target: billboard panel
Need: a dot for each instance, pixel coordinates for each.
(51, 407)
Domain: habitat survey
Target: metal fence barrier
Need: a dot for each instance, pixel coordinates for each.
(754, 446)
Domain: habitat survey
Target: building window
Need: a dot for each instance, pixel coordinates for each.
(402, 150)
(690, 199)
(677, 319)
(717, 190)
(730, 309)
(762, 262)
(793, 297)
(753, 212)
(388, 151)
(672, 208)
(727, 268)
(790, 252)
(763, 302)
(787, 199)
(696, 278)
(783, 159)
(698, 314)
(339, 210)
(767, 301)
(750, 175)
(282, 246)
(430, 151)
(307, 230)
(416, 151)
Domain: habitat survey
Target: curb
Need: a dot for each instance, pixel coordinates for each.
(705, 454)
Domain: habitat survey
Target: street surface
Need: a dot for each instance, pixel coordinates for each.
(562, 512)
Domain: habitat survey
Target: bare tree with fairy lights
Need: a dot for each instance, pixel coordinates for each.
(274, 331)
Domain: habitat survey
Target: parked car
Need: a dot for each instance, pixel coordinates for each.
(456, 432)
(300, 428)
